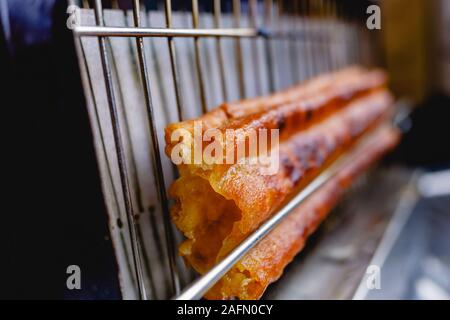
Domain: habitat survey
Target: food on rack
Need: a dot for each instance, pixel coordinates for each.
(264, 264)
(290, 110)
(329, 88)
(218, 204)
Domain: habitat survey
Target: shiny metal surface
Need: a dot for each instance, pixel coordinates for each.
(156, 156)
(336, 257)
(95, 31)
(416, 262)
(120, 153)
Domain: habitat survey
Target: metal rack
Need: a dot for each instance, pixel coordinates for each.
(324, 33)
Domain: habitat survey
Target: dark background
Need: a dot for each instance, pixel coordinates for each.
(53, 213)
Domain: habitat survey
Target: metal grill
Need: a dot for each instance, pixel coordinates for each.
(146, 65)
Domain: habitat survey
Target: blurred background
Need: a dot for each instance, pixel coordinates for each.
(53, 212)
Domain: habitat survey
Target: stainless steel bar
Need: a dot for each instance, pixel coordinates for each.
(198, 63)
(332, 34)
(351, 50)
(328, 12)
(280, 26)
(253, 11)
(358, 43)
(217, 23)
(174, 68)
(310, 43)
(156, 156)
(238, 48)
(173, 60)
(276, 18)
(115, 197)
(300, 7)
(293, 48)
(315, 44)
(123, 170)
(164, 101)
(198, 288)
(342, 36)
(325, 43)
(96, 31)
(268, 8)
(303, 70)
(134, 181)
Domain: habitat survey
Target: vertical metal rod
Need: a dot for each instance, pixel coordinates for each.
(351, 54)
(158, 169)
(313, 13)
(325, 44)
(293, 45)
(299, 27)
(332, 34)
(356, 36)
(238, 48)
(305, 43)
(358, 43)
(197, 57)
(164, 100)
(173, 60)
(108, 166)
(279, 22)
(268, 6)
(342, 35)
(253, 11)
(123, 171)
(317, 16)
(328, 12)
(135, 182)
(309, 40)
(217, 24)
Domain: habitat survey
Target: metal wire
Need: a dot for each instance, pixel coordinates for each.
(123, 170)
(293, 53)
(169, 32)
(217, 22)
(268, 7)
(158, 170)
(173, 59)
(238, 48)
(252, 11)
(197, 57)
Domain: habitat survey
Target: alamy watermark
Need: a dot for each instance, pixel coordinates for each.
(373, 279)
(373, 22)
(74, 18)
(215, 147)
